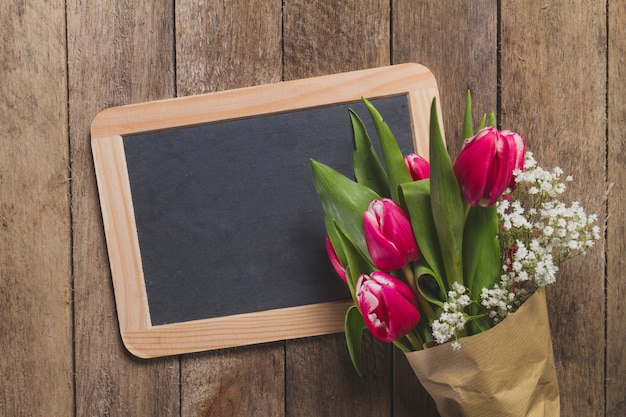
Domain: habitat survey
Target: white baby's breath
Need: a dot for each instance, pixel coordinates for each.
(452, 318)
(538, 232)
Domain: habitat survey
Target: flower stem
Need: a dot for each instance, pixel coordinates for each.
(415, 343)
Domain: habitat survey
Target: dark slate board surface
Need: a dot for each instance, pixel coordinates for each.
(227, 215)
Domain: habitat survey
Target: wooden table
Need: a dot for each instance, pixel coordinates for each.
(552, 70)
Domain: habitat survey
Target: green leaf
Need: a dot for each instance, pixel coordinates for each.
(367, 167)
(397, 171)
(343, 200)
(430, 286)
(492, 120)
(468, 124)
(354, 326)
(415, 196)
(333, 234)
(357, 262)
(447, 204)
(431, 290)
(481, 250)
(482, 122)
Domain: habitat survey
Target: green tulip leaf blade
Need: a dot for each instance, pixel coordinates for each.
(357, 263)
(493, 120)
(397, 171)
(416, 198)
(354, 327)
(468, 124)
(343, 200)
(481, 250)
(430, 286)
(447, 203)
(483, 121)
(368, 169)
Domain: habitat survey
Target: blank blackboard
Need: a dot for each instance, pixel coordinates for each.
(214, 231)
(229, 209)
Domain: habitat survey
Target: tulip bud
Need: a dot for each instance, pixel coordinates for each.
(334, 260)
(485, 165)
(388, 235)
(418, 166)
(387, 304)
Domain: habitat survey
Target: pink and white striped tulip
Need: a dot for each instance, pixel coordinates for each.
(387, 304)
(388, 235)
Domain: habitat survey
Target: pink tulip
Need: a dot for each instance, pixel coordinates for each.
(387, 304)
(418, 166)
(516, 142)
(388, 235)
(334, 260)
(485, 165)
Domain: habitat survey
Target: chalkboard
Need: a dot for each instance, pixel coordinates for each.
(214, 231)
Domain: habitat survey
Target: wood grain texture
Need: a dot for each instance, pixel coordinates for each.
(553, 66)
(246, 381)
(321, 380)
(554, 93)
(119, 53)
(457, 41)
(35, 236)
(221, 46)
(323, 38)
(616, 214)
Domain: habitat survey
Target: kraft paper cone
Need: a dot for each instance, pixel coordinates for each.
(507, 371)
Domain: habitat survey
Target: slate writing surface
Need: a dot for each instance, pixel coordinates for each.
(227, 215)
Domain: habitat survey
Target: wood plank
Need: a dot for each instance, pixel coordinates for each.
(35, 239)
(331, 37)
(445, 37)
(616, 214)
(321, 380)
(323, 38)
(554, 92)
(222, 46)
(458, 43)
(117, 54)
(246, 381)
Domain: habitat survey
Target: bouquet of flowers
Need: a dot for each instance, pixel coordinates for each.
(448, 260)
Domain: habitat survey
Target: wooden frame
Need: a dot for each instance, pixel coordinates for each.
(140, 337)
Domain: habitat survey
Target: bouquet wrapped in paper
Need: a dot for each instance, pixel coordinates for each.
(448, 260)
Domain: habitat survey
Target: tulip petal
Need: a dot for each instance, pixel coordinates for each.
(387, 306)
(419, 168)
(473, 165)
(402, 318)
(334, 260)
(388, 235)
(517, 149)
(500, 173)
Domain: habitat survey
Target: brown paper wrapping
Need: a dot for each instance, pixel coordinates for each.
(507, 371)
